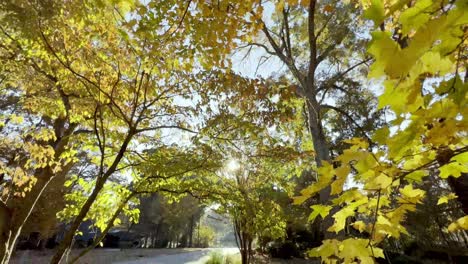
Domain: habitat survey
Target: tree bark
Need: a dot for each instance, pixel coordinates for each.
(460, 188)
(5, 228)
(192, 223)
(459, 185)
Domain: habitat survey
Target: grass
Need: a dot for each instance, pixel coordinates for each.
(217, 257)
(233, 259)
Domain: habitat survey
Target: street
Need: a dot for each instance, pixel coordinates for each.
(193, 257)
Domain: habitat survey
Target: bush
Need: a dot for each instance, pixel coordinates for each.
(216, 257)
(207, 237)
(284, 250)
(233, 259)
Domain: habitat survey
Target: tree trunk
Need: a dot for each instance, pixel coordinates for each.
(158, 232)
(243, 241)
(249, 249)
(70, 234)
(192, 223)
(24, 207)
(153, 240)
(460, 188)
(19, 218)
(244, 257)
(5, 228)
(104, 232)
(308, 91)
(459, 185)
(322, 153)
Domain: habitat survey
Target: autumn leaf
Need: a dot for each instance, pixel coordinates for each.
(444, 199)
(460, 224)
(318, 209)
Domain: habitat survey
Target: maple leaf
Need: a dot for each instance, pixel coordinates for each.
(322, 210)
(446, 198)
(460, 224)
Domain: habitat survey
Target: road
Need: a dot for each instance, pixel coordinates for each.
(193, 257)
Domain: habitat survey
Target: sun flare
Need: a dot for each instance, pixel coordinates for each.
(232, 165)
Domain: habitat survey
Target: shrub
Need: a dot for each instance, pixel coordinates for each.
(216, 257)
(233, 259)
(207, 237)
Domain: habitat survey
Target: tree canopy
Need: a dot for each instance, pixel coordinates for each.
(127, 111)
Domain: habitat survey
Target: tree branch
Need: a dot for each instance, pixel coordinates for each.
(163, 127)
(340, 111)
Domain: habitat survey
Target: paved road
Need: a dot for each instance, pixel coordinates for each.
(194, 257)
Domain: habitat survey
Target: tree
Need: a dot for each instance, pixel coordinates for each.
(92, 90)
(43, 146)
(170, 171)
(418, 49)
(88, 99)
(329, 69)
(163, 221)
(258, 159)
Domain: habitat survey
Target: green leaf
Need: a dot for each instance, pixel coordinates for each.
(414, 17)
(375, 12)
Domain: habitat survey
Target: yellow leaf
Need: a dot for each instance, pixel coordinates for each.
(462, 158)
(461, 223)
(454, 169)
(352, 248)
(348, 196)
(446, 198)
(380, 182)
(340, 219)
(280, 6)
(15, 119)
(357, 143)
(411, 195)
(367, 260)
(299, 199)
(341, 216)
(412, 18)
(341, 175)
(328, 248)
(322, 210)
(416, 176)
(381, 135)
(359, 225)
